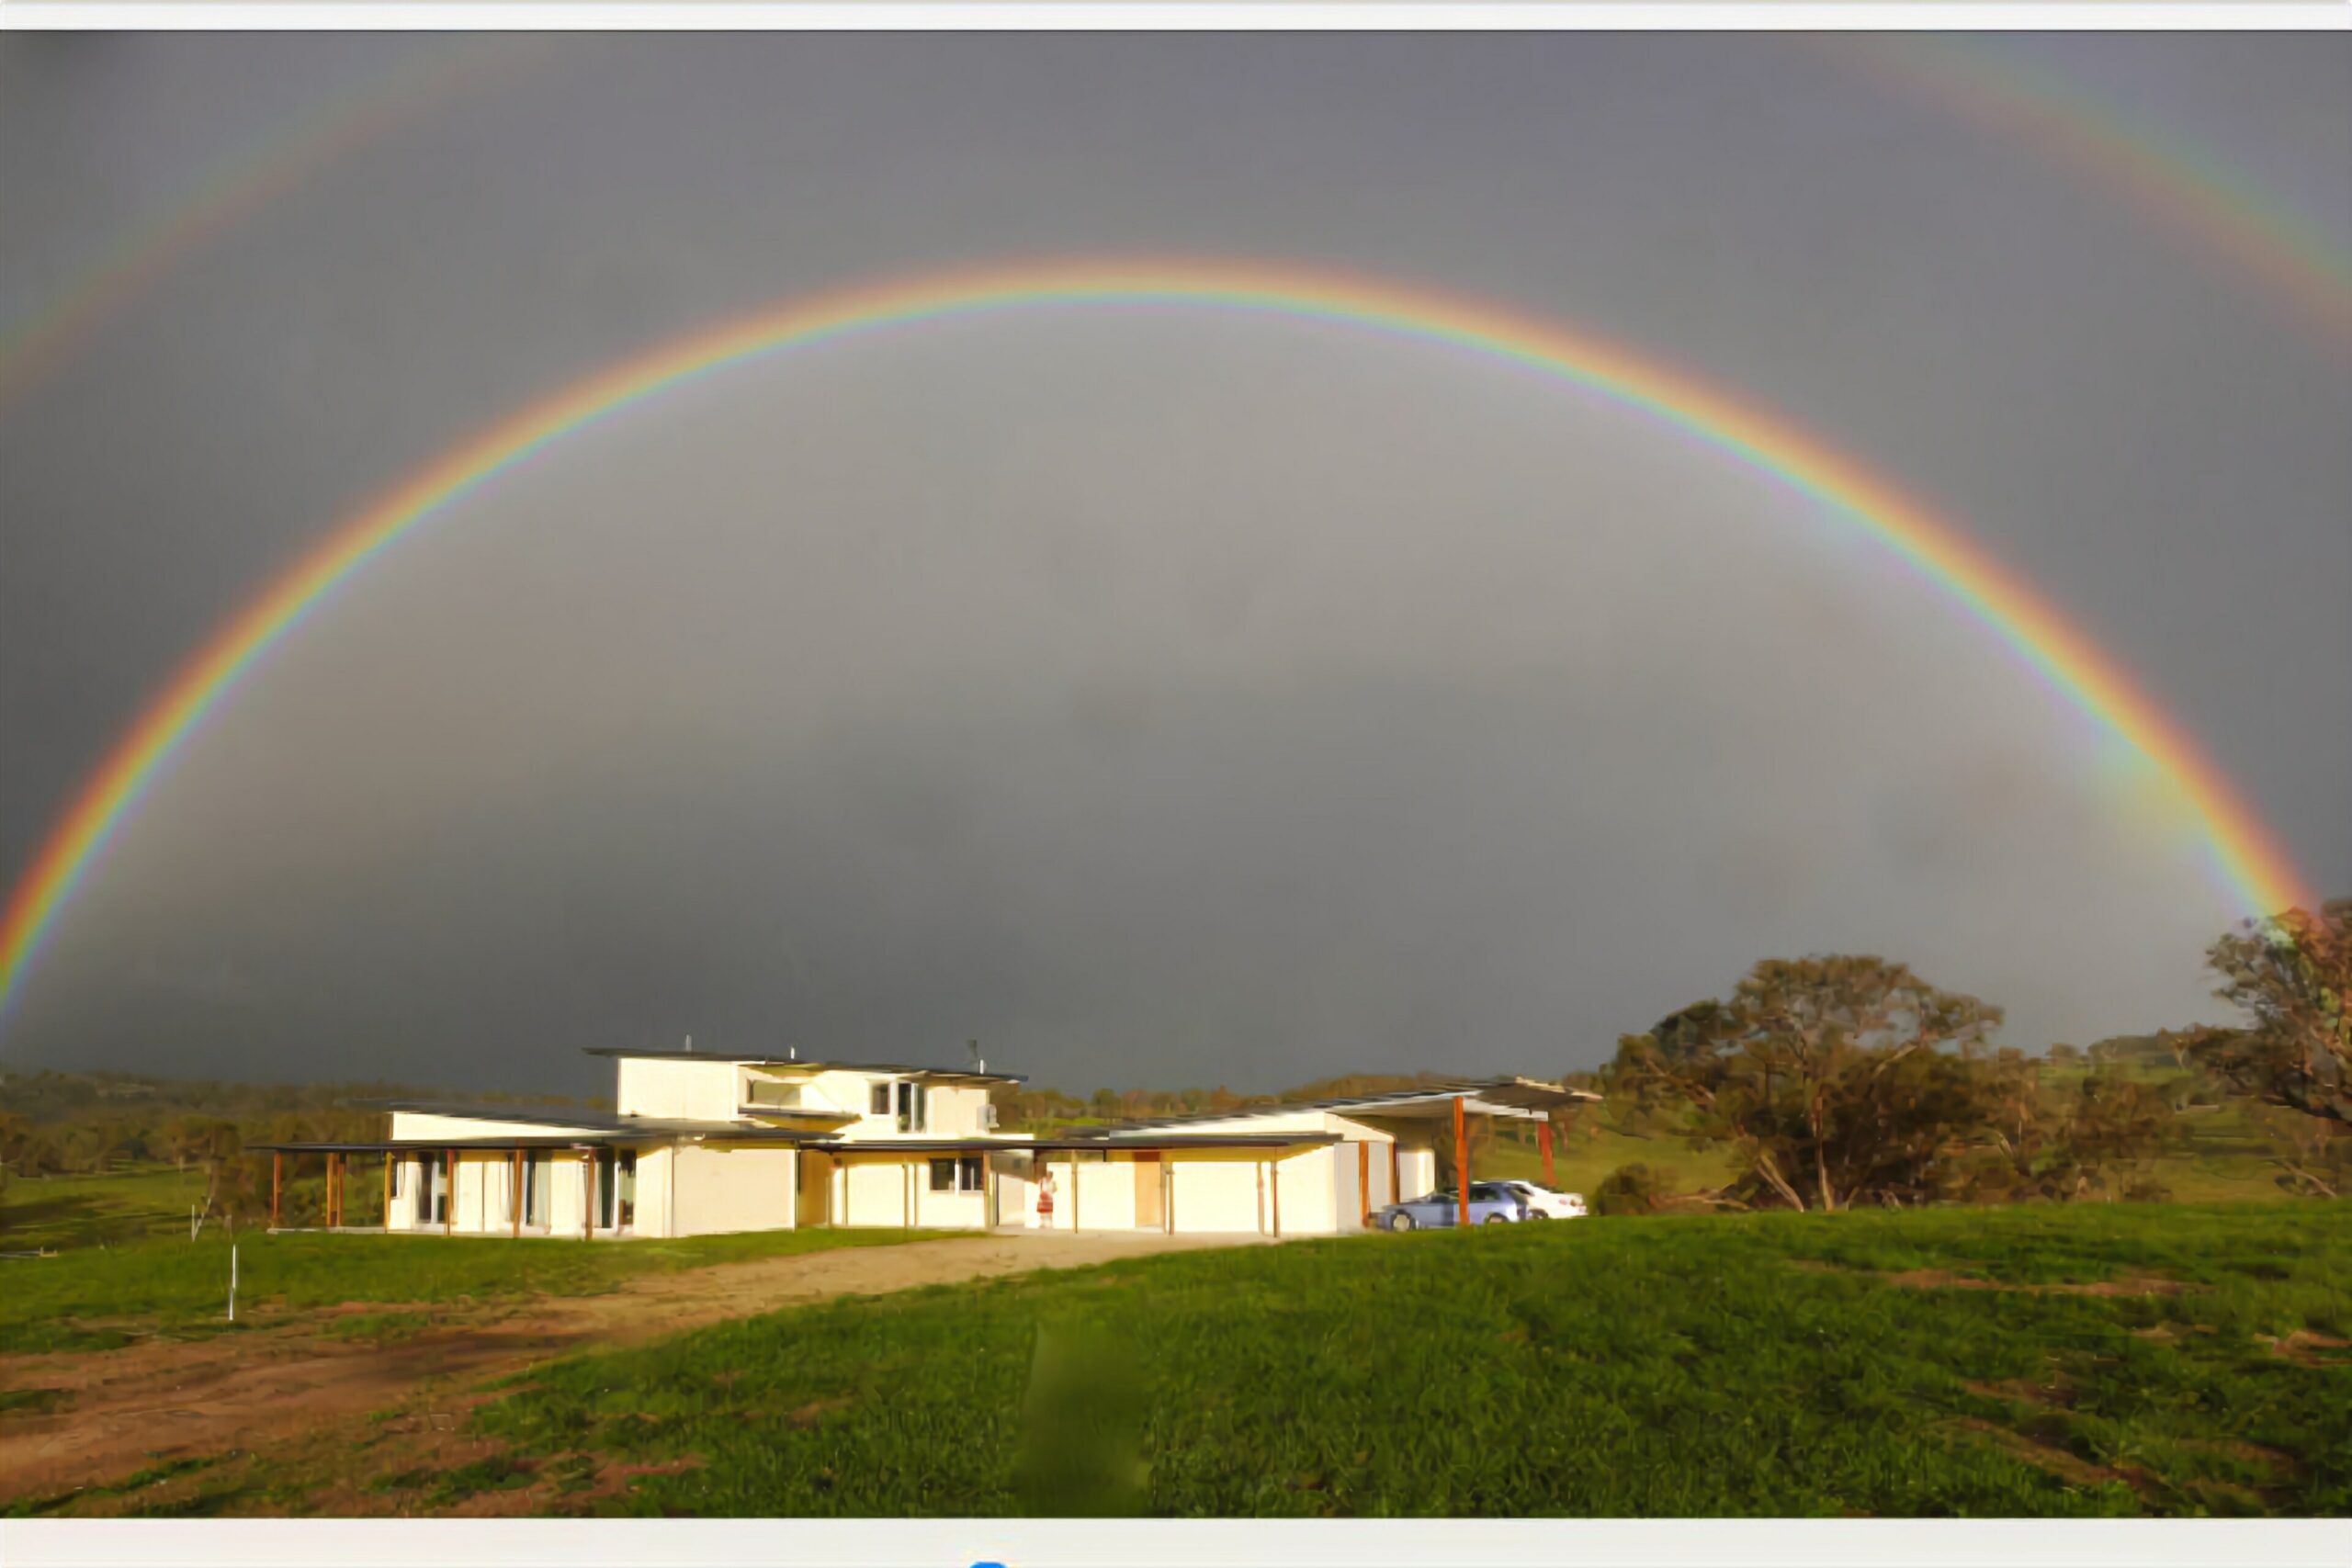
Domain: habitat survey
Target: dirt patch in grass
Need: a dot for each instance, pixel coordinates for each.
(2130, 1285)
(2051, 1395)
(2069, 1467)
(308, 1380)
(1945, 1280)
(2303, 1346)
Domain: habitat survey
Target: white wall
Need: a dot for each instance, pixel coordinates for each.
(728, 1188)
(673, 1088)
(1105, 1193)
(414, 1127)
(1416, 1172)
(876, 1192)
(1215, 1190)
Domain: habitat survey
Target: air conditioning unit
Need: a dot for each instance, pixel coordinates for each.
(988, 1118)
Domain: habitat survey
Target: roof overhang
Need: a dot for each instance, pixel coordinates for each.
(804, 1065)
(1139, 1142)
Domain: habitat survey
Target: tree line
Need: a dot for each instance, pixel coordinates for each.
(1849, 1080)
(1830, 1081)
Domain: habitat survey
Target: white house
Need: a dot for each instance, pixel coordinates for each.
(700, 1143)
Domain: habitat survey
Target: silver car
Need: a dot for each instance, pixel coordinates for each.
(1491, 1203)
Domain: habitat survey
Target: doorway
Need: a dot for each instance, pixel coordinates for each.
(1151, 1211)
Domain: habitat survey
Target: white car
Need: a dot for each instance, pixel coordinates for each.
(1543, 1203)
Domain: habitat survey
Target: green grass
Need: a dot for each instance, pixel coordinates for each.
(140, 1481)
(119, 1209)
(1707, 1366)
(96, 1297)
(33, 1401)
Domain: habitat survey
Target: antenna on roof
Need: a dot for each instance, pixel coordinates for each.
(792, 1052)
(974, 1047)
(690, 1041)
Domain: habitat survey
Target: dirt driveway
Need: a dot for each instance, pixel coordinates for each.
(290, 1381)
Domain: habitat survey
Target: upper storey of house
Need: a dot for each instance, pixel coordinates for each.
(858, 1101)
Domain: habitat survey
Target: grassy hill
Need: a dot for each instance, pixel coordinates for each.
(2089, 1359)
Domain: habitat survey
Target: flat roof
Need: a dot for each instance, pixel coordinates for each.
(592, 1122)
(1529, 1098)
(432, 1146)
(810, 1064)
(1141, 1141)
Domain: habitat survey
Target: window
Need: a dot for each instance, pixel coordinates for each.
(880, 1103)
(911, 1107)
(967, 1174)
(628, 1188)
(538, 1182)
(397, 1165)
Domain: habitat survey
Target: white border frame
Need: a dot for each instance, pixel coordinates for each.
(1175, 15)
(1242, 1543)
(1046, 1543)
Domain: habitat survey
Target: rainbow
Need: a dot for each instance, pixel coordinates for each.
(2220, 211)
(2242, 853)
(235, 191)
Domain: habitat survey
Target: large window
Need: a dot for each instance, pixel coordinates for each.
(967, 1173)
(538, 1180)
(911, 1107)
(879, 1105)
(432, 1192)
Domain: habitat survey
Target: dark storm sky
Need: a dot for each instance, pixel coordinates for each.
(1159, 697)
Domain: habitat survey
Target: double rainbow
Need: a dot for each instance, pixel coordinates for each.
(2244, 855)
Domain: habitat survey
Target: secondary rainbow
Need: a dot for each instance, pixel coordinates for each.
(2242, 850)
(240, 190)
(2220, 211)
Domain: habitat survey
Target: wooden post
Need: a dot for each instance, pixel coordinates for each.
(1274, 1190)
(588, 1195)
(450, 1210)
(1462, 1159)
(1364, 1184)
(1262, 1197)
(334, 1180)
(1543, 1141)
(1395, 1173)
(514, 1192)
(277, 1182)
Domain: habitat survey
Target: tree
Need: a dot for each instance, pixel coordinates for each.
(1837, 1080)
(2292, 975)
(2091, 1137)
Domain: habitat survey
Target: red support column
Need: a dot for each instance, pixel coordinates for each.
(1462, 1159)
(388, 1191)
(276, 1183)
(1395, 1174)
(1543, 1141)
(1364, 1184)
